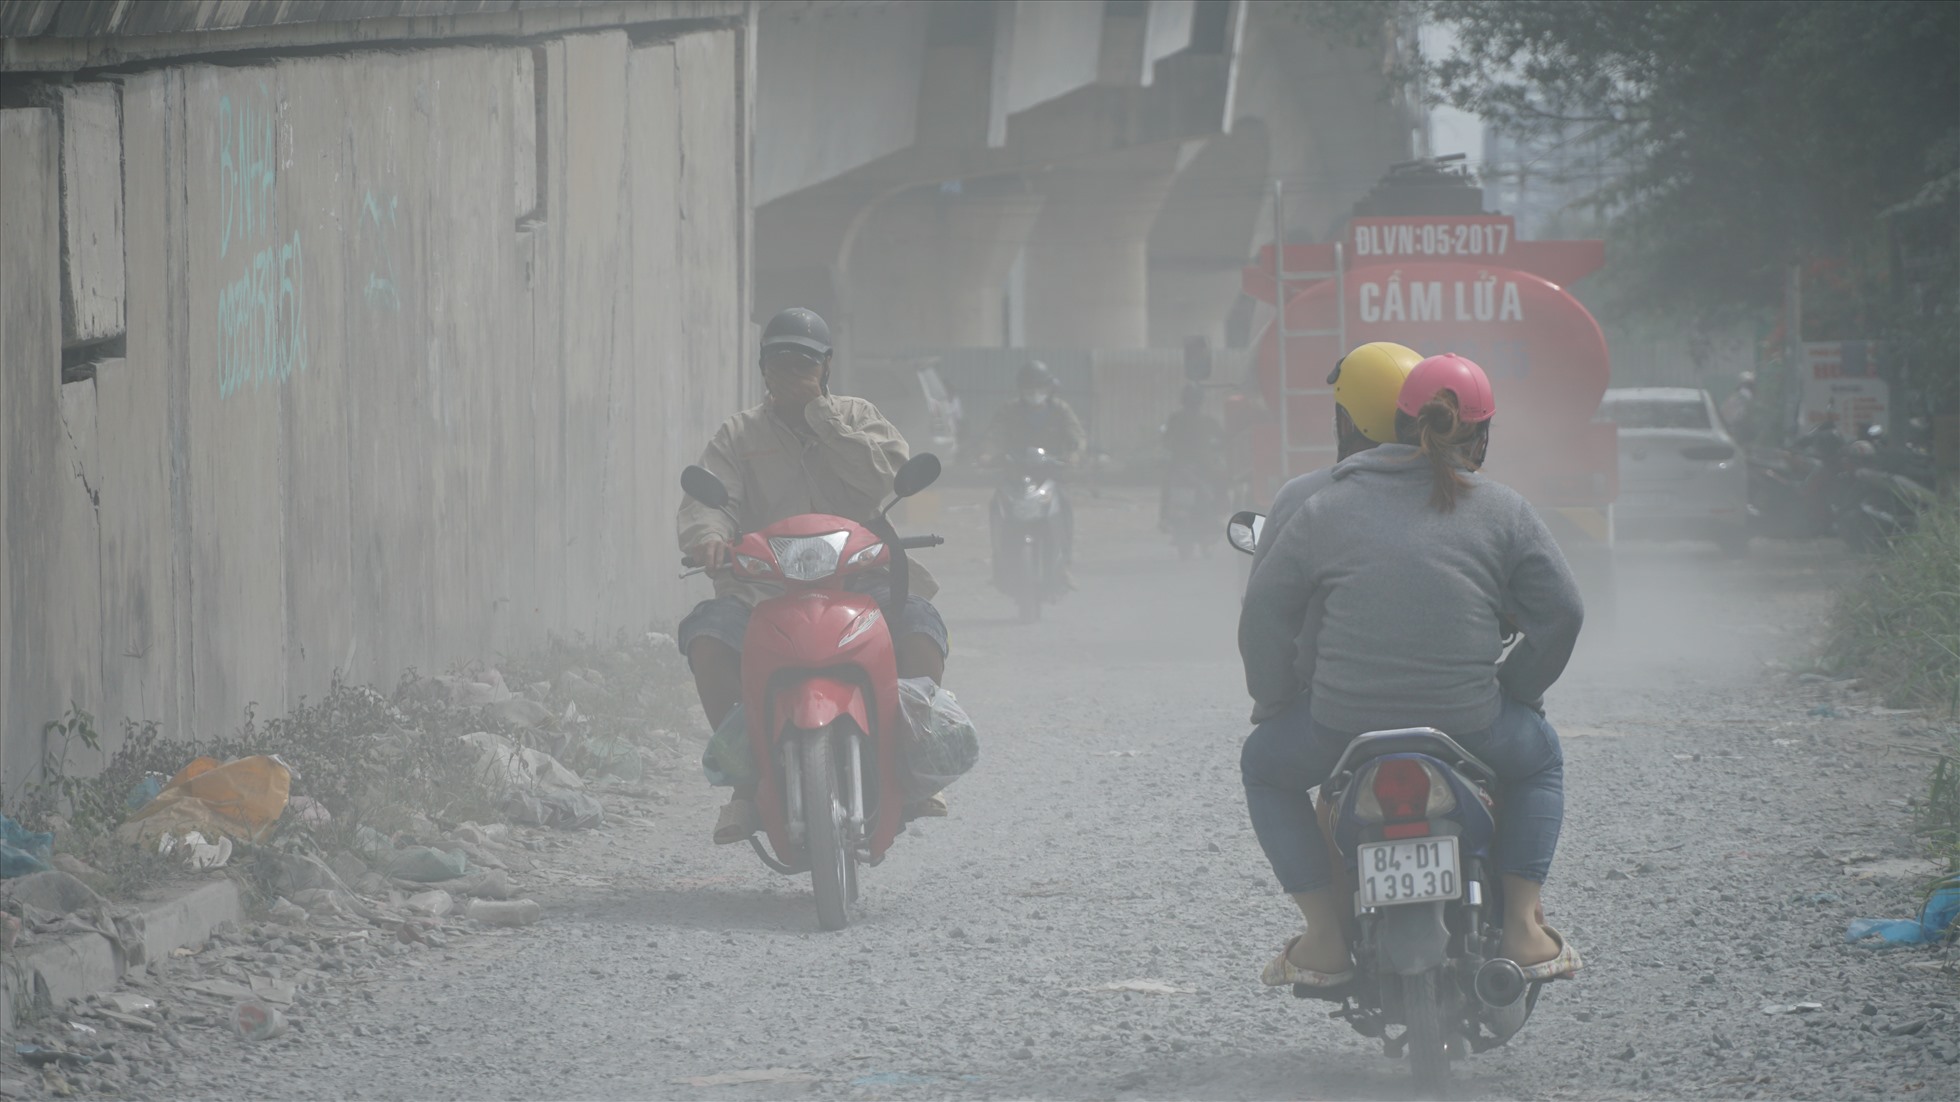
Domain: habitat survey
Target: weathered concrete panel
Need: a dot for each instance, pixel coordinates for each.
(246, 289)
(660, 369)
(91, 211)
(340, 276)
(139, 679)
(707, 66)
(43, 667)
(523, 107)
(366, 420)
(591, 180)
(838, 89)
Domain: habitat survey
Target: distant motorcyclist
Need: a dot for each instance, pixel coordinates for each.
(1378, 607)
(1366, 383)
(803, 450)
(1194, 445)
(1040, 419)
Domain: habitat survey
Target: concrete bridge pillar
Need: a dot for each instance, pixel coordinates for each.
(928, 268)
(1088, 264)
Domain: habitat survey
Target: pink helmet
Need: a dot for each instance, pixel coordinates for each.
(1474, 401)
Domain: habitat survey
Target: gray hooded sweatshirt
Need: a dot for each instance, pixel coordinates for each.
(1389, 609)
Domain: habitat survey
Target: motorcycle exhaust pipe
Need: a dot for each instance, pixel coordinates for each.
(1499, 983)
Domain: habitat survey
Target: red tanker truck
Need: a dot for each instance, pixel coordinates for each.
(1420, 263)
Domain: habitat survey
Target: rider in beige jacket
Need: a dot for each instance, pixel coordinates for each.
(803, 450)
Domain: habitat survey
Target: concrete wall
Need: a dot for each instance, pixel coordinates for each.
(416, 345)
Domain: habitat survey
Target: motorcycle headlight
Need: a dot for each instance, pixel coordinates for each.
(808, 558)
(866, 555)
(1033, 501)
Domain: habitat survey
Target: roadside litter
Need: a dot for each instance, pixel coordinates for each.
(426, 864)
(257, 1020)
(239, 799)
(195, 851)
(1937, 920)
(1142, 987)
(540, 790)
(23, 851)
(516, 912)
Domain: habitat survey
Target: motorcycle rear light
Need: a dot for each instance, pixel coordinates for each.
(1406, 830)
(1403, 789)
(1708, 453)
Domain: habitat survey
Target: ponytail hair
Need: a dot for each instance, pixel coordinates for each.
(1449, 443)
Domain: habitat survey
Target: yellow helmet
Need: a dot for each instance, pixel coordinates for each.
(1366, 382)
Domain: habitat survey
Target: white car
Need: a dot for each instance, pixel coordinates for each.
(1682, 476)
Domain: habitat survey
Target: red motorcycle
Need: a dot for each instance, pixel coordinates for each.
(820, 688)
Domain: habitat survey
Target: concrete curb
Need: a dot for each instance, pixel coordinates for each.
(52, 972)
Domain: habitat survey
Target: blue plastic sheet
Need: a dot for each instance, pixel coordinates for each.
(23, 851)
(1936, 920)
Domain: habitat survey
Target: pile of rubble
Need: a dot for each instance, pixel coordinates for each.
(339, 897)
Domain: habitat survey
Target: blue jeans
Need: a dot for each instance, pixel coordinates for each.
(1290, 753)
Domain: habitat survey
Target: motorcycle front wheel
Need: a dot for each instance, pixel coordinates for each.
(1422, 1014)
(826, 829)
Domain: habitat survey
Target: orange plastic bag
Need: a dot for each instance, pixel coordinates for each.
(241, 798)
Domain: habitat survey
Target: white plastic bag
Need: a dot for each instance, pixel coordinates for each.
(937, 743)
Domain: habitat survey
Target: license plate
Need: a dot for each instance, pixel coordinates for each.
(1419, 871)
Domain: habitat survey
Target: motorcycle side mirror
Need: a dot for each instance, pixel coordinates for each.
(701, 484)
(1244, 529)
(920, 471)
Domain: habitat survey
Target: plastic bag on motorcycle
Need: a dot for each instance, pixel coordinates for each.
(727, 760)
(937, 743)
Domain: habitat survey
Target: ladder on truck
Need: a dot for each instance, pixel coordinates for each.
(1288, 447)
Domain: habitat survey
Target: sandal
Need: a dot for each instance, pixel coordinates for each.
(1281, 971)
(735, 823)
(932, 807)
(1564, 966)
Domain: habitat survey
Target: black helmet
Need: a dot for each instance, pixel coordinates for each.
(797, 328)
(1036, 373)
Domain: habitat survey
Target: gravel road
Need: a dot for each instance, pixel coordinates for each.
(1719, 836)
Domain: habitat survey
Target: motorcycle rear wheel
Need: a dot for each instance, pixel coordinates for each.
(1422, 1014)
(826, 830)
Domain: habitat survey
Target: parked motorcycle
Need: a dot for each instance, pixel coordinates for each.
(1410, 816)
(820, 688)
(1877, 504)
(1030, 525)
(1862, 492)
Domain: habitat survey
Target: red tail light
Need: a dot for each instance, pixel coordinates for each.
(1402, 787)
